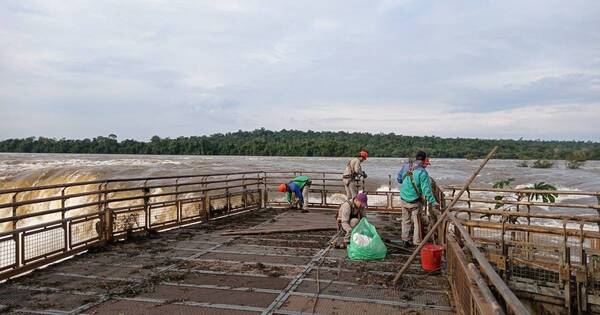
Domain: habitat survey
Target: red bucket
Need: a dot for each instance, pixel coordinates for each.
(431, 257)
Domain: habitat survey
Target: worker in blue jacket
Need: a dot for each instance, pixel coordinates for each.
(415, 192)
(299, 187)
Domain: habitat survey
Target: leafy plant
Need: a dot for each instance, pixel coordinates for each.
(503, 183)
(576, 159)
(542, 164)
(546, 197)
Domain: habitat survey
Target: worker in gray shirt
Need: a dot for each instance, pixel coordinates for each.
(349, 214)
(353, 172)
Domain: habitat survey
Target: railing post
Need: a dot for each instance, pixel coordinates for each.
(389, 193)
(504, 249)
(177, 203)
(147, 207)
(245, 196)
(244, 192)
(565, 270)
(16, 236)
(206, 206)
(264, 195)
(107, 223)
(64, 224)
(598, 210)
(228, 196)
(582, 277)
(323, 191)
(14, 210)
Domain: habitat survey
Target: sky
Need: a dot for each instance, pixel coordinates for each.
(484, 69)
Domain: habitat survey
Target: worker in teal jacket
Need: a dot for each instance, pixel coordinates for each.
(415, 191)
(299, 186)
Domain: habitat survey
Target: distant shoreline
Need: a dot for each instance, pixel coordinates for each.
(258, 156)
(293, 143)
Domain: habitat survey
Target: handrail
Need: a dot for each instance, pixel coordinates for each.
(528, 203)
(107, 201)
(124, 189)
(523, 214)
(116, 180)
(525, 191)
(530, 228)
(512, 302)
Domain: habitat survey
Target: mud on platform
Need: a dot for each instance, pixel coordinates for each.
(196, 270)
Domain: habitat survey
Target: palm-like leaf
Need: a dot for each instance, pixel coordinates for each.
(545, 197)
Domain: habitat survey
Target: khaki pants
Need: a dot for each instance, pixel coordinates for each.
(411, 221)
(305, 196)
(350, 186)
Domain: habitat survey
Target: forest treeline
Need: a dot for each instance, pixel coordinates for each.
(308, 143)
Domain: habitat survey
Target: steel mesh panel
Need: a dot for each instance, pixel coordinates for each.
(7, 252)
(253, 198)
(163, 214)
(218, 204)
(276, 196)
(303, 305)
(192, 209)
(487, 234)
(376, 293)
(82, 232)
(335, 198)
(377, 201)
(459, 281)
(42, 243)
(533, 263)
(236, 201)
(546, 239)
(537, 274)
(125, 221)
(396, 201)
(150, 308)
(594, 274)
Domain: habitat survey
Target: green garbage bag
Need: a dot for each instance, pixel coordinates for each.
(365, 243)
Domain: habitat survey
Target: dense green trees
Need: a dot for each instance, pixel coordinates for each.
(309, 143)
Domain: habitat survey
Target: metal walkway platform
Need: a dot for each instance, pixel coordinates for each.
(197, 270)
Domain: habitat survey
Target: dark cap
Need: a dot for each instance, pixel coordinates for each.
(363, 199)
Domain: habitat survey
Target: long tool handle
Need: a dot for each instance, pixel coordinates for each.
(443, 217)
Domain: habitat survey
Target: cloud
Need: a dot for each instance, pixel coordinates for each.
(576, 88)
(139, 68)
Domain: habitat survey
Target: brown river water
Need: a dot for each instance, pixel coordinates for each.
(25, 170)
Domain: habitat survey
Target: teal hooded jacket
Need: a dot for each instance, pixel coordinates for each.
(422, 182)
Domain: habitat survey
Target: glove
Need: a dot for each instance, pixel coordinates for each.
(364, 175)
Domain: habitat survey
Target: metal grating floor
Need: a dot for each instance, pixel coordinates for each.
(196, 270)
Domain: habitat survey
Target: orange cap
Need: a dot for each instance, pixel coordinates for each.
(363, 154)
(282, 188)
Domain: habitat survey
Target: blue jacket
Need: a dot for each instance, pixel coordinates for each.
(297, 190)
(422, 182)
(296, 186)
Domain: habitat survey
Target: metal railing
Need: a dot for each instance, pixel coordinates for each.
(48, 223)
(472, 293)
(43, 224)
(544, 255)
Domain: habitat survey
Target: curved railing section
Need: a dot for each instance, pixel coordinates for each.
(547, 252)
